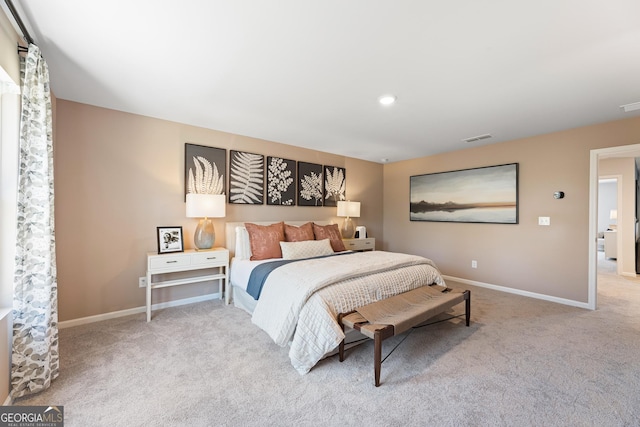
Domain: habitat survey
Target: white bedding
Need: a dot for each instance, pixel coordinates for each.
(300, 301)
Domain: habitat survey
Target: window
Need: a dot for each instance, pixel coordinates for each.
(9, 143)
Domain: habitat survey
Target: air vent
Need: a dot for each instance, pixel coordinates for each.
(477, 138)
(631, 107)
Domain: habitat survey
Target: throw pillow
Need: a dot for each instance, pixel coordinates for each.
(330, 232)
(265, 240)
(298, 234)
(306, 249)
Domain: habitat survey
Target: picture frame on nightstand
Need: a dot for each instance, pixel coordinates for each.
(170, 239)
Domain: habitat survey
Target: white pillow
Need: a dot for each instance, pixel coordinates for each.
(306, 249)
(243, 246)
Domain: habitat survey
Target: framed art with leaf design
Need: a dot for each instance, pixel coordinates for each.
(246, 178)
(481, 195)
(281, 181)
(335, 185)
(310, 181)
(204, 169)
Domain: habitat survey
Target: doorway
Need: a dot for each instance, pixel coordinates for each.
(625, 217)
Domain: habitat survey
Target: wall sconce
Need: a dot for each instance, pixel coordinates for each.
(205, 206)
(348, 210)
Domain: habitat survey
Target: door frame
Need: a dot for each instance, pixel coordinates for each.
(594, 157)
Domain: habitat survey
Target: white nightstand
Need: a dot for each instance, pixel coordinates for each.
(189, 260)
(368, 244)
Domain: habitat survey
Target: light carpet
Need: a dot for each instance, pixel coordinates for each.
(522, 362)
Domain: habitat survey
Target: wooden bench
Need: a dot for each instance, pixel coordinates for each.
(392, 316)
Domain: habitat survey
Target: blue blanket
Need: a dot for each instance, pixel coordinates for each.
(260, 273)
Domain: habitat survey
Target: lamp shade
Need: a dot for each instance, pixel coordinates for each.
(206, 205)
(349, 209)
(613, 214)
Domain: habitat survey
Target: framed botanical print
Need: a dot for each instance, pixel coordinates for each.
(246, 178)
(281, 181)
(335, 185)
(204, 169)
(310, 184)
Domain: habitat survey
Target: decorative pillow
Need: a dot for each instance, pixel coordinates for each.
(243, 247)
(306, 249)
(265, 240)
(330, 232)
(298, 234)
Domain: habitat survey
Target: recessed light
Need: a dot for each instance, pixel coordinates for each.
(387, 99)
(631, 107)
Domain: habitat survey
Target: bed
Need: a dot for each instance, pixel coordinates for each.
(296, 299)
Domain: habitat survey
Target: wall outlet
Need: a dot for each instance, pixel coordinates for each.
(474, 264)
(544, 220)
(142, 282)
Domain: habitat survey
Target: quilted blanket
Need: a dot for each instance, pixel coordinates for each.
(300, 301)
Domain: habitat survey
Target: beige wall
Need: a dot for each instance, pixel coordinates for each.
(119, 176)
(546, 260)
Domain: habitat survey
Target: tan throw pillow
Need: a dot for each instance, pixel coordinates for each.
(265, 240)
(298, 234)
(306, 249)
(330, 232)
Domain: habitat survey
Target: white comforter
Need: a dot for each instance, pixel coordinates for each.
(300, 301)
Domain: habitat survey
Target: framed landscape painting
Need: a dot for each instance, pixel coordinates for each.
(481, 195)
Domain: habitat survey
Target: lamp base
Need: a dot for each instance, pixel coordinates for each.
(348, 228)
(205, 235)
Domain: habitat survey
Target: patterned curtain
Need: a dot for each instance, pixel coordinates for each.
(34, 361)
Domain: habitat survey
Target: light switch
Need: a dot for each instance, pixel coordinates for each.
(544, 220)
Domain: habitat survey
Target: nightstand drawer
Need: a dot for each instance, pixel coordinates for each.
(367, 244)
(168, 261)
(202, 258)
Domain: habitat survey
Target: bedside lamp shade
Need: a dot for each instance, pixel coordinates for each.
(613, 216)
(205, 206)
(348, 210)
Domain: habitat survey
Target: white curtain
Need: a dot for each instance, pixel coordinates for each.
(34, 361)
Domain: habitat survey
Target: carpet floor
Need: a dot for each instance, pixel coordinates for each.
(522, 362)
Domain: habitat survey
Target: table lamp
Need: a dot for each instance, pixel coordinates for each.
(205, 206)
(348, 210)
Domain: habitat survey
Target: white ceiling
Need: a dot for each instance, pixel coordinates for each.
(309, 73)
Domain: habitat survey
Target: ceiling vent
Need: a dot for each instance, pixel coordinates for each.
(477, 138)
(631, 107)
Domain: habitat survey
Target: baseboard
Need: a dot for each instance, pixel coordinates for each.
(564, 301)
(137, 310)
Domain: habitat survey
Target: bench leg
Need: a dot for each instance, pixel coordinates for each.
(467, 308)
(341, 346)
(377, 357)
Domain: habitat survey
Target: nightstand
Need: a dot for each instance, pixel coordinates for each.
(188, 261)
(368, 244)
